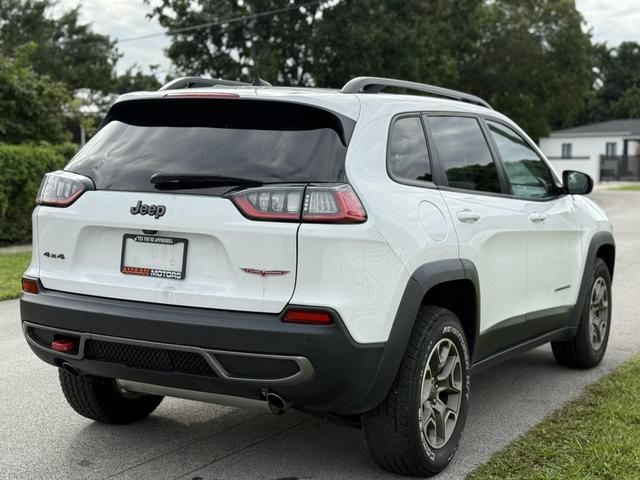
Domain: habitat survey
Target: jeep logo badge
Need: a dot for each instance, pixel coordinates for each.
(144, 209)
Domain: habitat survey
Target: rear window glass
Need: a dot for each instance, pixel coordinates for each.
(259, 140)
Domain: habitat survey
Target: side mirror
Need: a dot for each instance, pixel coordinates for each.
(576, 183)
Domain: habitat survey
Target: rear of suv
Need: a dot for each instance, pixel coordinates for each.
(347, 253)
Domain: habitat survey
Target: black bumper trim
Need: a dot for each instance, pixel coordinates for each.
(304, 373)
(337, 375)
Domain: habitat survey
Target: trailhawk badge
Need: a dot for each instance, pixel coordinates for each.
(264, 273)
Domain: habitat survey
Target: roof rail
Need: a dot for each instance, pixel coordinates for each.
(377, 84)
(196, 82)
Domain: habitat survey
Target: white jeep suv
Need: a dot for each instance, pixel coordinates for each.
(347, 253)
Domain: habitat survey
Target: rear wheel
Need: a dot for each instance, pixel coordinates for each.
(587, 349)
(417, 428)
(102, 400)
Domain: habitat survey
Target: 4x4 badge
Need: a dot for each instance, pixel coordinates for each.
(144, 209)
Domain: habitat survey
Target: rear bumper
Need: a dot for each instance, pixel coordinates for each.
(241, 354)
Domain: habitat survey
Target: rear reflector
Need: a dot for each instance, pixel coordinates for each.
(308, 316)
(30, 285)
(63, 345)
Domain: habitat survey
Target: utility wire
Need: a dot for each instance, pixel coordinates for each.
(222, 22)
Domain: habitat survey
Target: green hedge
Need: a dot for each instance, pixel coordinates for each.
(21, 170)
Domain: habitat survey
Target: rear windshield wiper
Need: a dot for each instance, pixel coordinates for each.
(177, 181)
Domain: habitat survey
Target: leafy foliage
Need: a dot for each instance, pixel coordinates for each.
(276, 47)
(21, 169)
(409, 39)
(65, 49)
(33, 107)
(616, 92)
(532, 62)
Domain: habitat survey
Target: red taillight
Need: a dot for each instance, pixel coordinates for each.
(313, 317)
(30, 285)
(61, 189)
(319, 204)
(63, 345)
(333, 205)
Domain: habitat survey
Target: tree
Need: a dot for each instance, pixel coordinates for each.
(532, 62)
(33, 107)
(616, 85)
(134, 80)
(66, 50)
(275, 46)
(409, 39)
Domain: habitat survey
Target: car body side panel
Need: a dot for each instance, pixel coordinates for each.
(412, 221)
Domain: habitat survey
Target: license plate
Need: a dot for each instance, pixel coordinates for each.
(151, 256)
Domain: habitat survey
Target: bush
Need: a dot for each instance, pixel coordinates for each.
(21, 170)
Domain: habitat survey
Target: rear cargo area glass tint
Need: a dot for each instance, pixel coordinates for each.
(266, 141)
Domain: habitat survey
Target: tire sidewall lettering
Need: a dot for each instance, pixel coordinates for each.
(452, 332)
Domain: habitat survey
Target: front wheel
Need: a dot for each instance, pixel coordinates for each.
(587, 348)
(417, 428)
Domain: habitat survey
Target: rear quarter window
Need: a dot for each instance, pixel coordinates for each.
(408, 156)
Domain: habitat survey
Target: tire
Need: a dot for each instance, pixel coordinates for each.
(393, 430)
(588, 347)
(101, 400)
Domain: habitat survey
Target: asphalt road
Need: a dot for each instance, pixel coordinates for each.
(42, 438)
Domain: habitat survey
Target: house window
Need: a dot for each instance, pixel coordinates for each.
(611, 149)
(566, 150)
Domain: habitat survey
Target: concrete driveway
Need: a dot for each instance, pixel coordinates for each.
(41, 437)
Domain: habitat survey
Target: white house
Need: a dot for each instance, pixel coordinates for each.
(607, 151)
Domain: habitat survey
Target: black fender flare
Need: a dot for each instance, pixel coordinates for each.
(421, 281)
(599, 239)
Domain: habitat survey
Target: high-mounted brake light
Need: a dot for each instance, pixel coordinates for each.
(61, 189)
(203, 95)
(293, 203)
(312, 317)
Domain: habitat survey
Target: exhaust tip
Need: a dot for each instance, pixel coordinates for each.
(67, 367)
(277, 404)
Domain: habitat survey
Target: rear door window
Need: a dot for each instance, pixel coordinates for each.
(408, 157)
(464, 153)
(266, 141)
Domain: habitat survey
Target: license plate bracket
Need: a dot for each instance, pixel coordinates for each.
(154, 256)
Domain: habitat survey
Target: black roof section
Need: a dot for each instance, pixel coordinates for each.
(377, 84)
(624, 127)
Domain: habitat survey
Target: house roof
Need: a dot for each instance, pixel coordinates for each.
(626, 127)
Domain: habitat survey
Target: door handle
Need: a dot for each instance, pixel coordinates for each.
(537, 217)
(467, 216)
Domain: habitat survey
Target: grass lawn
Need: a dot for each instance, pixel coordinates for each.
(627, 188)
(594, 437)
(12, 266)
